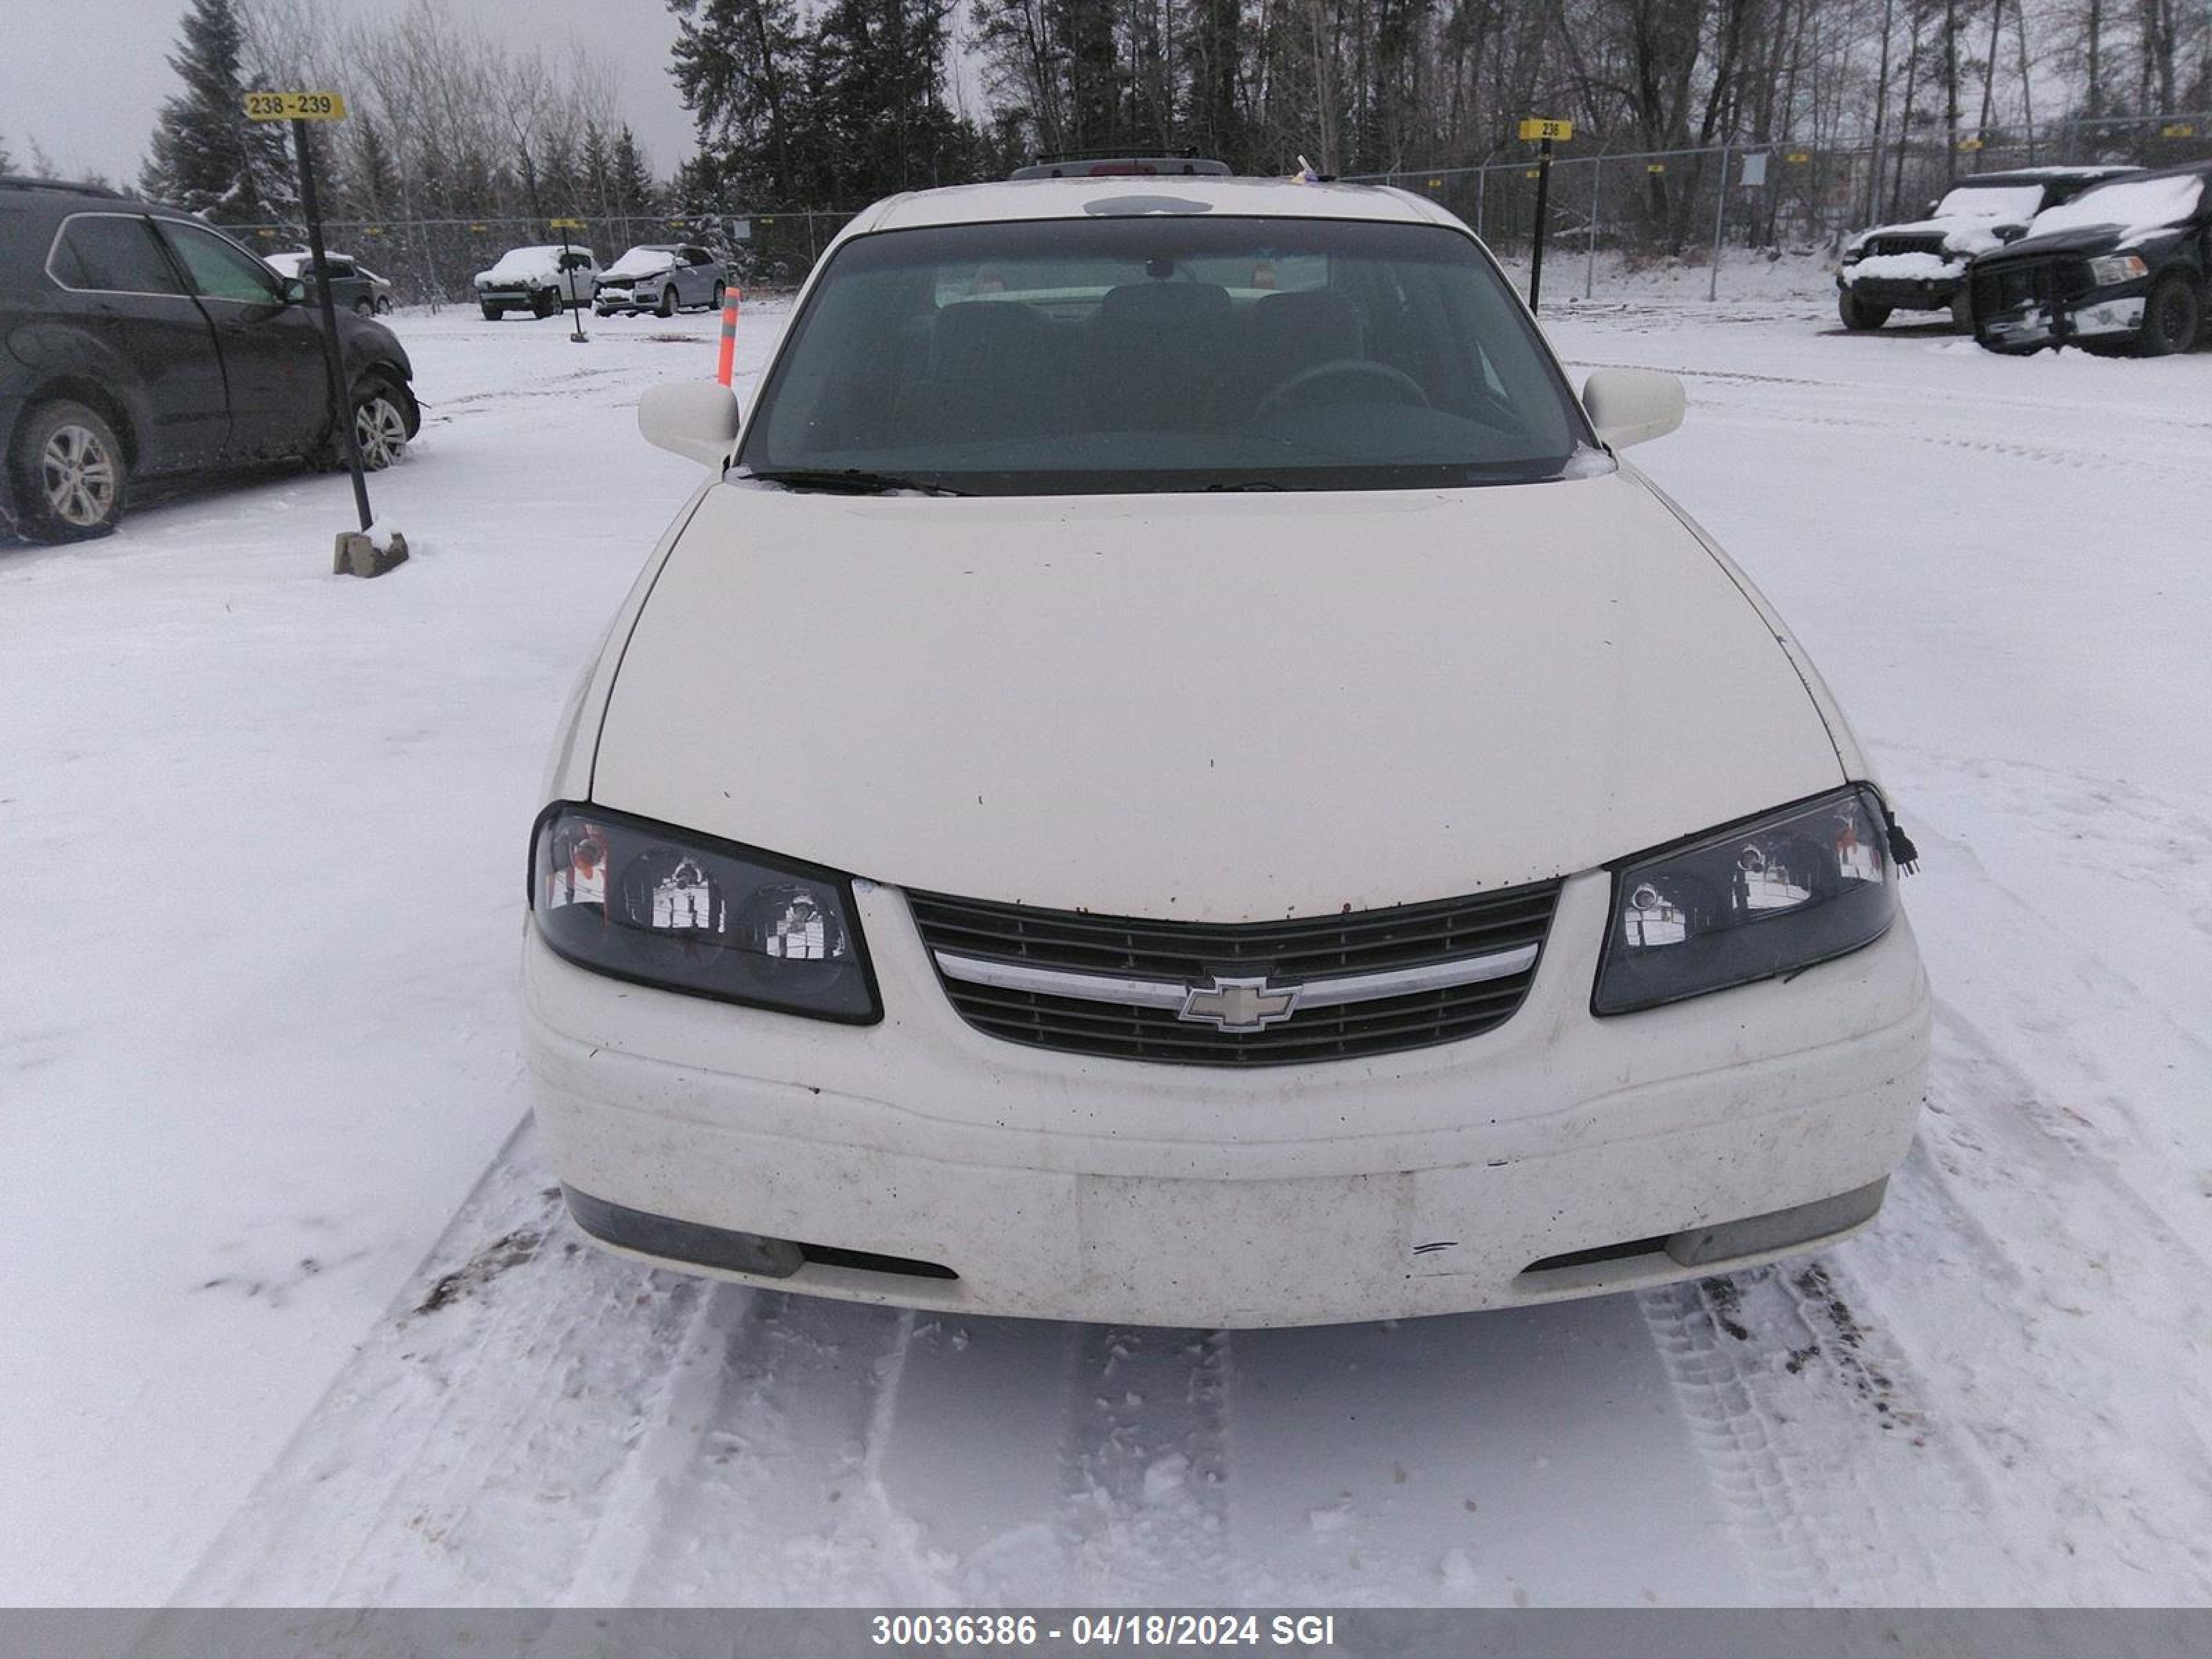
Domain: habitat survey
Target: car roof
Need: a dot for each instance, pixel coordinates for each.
(2198, 169)
(61, 197)
(1077, 198)
(2041, 175)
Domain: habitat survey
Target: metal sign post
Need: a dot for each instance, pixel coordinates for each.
(299, 108)
(1543, 132)
(568, 277)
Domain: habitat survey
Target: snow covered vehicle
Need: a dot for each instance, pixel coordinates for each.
(539, 280)
(354, 286)
(2123, 265)
(1922, 265)
(137, 339)
(1169, 774)
(662, 277)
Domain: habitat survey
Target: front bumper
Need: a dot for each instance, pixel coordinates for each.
(2025, 304)
(1904, 293)
(1052, 1185)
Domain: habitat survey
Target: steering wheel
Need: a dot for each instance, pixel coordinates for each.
(1335, 365)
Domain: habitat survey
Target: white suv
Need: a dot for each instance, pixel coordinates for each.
(1168, 774)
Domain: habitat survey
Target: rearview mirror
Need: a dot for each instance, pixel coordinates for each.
(1633, 405)
(296, 291)
(696, 419)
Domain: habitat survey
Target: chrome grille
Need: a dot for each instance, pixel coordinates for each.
(1317, 952)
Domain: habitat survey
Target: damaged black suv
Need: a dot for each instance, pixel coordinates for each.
(137, 340)
(2122, 265)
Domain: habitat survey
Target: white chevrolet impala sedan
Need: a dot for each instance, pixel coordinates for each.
(1169, 773)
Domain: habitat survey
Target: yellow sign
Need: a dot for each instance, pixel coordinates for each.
(1536, 127)
(1798, 157)
(2177, 130)
(1970, 144)
(1436, 184)
(566, 224)
(1655, 166)
(296, 106)
(1531, 173)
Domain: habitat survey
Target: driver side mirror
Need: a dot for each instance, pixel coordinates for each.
(1633, 405)
(296, 291)
(696, 419)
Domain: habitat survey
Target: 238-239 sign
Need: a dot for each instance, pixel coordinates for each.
(294, 107)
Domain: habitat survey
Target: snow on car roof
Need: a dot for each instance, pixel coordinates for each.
(294, 262)
(1070, 198)
(2137, 205)
(2030, 175)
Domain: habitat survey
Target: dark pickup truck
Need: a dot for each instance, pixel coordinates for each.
(137, 340)
(2121, 266)
(1922, 265)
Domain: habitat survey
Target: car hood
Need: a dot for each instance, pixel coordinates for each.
(1962, 232)
(1220, 706)
(2083, 239)
(634, 264)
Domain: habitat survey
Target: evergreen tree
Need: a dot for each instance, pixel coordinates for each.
(372, 178)
(560, 179)
(206, 155)
(740, 64)
(7, 162)
(880, 79)
(596, 167)
(635, 195)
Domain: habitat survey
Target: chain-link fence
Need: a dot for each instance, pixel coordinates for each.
(1608, 209)
(434, 261)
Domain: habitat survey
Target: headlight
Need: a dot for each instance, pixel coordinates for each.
(1771, 896)
(2117, 268)
(639, 901)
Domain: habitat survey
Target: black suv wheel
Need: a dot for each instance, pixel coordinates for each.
(72, 480)
(2173, 316)
(1856, 313)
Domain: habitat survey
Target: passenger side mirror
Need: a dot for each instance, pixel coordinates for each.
(696, 419)
(296, 291)
(1633, 405)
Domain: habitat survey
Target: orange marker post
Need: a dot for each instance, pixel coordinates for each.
(724, 364)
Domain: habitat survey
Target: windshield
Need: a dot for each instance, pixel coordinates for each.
(2016, 203)
(1138, 353)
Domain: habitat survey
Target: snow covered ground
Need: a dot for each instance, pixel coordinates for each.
(291, 1316)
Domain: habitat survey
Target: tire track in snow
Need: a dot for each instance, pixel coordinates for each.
(785, 1502)
(1144, 1467)
(471, 1447)
(1842, 1480)
(2103, 1471)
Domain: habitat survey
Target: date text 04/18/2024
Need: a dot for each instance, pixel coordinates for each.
(1105, 1629)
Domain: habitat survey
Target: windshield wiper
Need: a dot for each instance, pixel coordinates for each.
(850, 480)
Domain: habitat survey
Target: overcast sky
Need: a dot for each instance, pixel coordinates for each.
(87, 80)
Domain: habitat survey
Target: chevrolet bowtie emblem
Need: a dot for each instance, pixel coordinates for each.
(1239, 1004)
